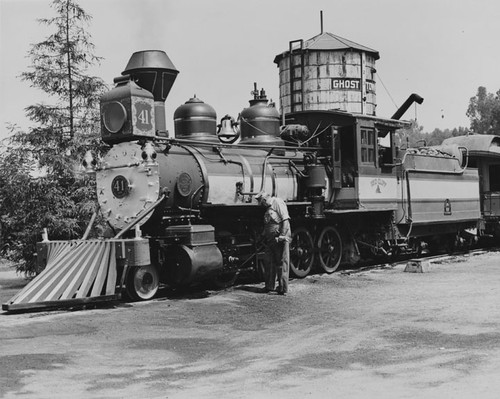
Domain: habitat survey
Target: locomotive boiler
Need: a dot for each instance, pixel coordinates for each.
(181, 208)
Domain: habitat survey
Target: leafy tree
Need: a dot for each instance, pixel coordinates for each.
(484, 112)
(411, 136)
(41, 185)
(437, 136)
(416, 137)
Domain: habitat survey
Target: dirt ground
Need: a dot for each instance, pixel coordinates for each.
(379, 333)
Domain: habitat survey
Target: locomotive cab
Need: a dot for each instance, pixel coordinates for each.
(360, 152)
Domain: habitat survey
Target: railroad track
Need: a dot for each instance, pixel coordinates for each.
(430, 258)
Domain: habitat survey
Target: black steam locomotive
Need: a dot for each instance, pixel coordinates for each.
(182, 209)
(192, 196)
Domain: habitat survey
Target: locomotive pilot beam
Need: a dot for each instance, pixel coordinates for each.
(182, 210)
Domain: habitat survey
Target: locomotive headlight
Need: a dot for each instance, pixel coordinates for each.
(114, 116)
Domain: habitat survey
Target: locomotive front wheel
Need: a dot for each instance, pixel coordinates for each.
(301, 252)
(142, 282)
(330, 249)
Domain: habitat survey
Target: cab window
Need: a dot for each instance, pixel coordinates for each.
(367, 145)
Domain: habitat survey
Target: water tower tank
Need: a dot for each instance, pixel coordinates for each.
(327, 72)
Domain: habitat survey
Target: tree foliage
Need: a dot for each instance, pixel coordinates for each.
(41, 185)
(416, 137)
(484, 112)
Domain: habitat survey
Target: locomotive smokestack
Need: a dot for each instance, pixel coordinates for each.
(407, 104)
(153, 71)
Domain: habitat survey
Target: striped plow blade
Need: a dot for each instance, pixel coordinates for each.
(77, 272)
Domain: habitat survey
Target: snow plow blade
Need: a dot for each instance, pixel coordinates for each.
(76, 273)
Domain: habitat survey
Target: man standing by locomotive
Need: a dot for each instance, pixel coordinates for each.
(277, 238)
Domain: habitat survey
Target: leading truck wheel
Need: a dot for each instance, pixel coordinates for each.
(142, 282)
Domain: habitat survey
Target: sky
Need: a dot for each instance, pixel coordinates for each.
(441, 49)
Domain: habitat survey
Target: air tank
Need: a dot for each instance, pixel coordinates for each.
(327, 72)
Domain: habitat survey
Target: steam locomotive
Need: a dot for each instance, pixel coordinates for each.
(185, 206)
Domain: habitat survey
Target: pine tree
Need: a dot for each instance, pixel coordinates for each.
(41, 185)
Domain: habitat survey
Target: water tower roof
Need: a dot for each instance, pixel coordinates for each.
(329, 41)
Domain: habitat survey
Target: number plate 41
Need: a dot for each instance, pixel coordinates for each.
(143, 116)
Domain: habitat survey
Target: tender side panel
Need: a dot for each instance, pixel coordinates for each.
(435, 198)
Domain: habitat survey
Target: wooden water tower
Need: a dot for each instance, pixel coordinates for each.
(327, 72)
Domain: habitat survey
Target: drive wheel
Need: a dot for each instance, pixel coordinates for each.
(301, 252)
(142, 283)
(330, 249)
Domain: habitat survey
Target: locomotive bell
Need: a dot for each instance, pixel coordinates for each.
(228, 130)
